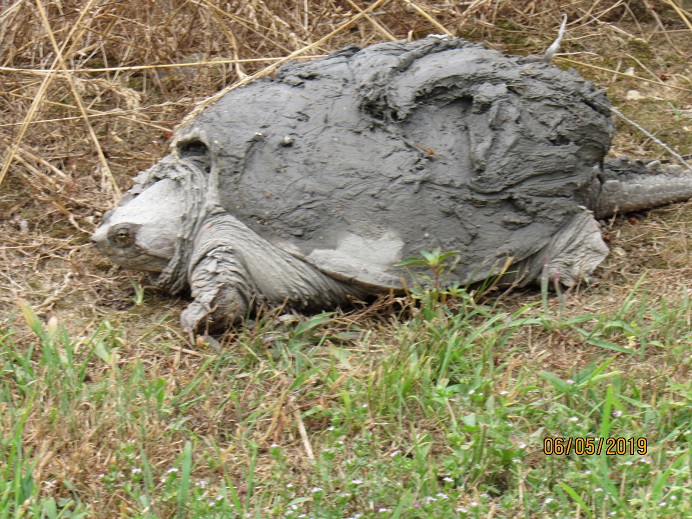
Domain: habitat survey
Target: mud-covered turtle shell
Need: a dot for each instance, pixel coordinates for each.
(358, 160)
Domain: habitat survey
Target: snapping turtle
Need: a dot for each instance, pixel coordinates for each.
(311, 186)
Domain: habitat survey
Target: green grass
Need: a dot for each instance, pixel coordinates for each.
(441, 415)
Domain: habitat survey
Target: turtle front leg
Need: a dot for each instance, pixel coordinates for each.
(222, 291)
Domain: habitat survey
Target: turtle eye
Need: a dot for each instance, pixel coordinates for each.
(122, 236)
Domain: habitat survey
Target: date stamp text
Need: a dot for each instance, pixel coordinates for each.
(559, 446)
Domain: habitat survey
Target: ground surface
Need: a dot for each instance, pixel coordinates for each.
(116, 408)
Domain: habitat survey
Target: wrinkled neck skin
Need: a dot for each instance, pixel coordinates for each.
(173, 277)
(231, 269)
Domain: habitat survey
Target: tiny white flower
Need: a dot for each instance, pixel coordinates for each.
(522, 445)
(316, 489)
(136, 471)
(356, 481)
(339, 442)
(549, 500)
(163, 480)
(573, 419)
(448, 479)
(473, 504)
(383, 510)
(628, 463)
(442, 495)
(394, 454)
(644, 460)
(331, 428)
(662, 503)
(363, 405)
(101, 476)
(461, 509)
(289, 485)
(510, 424)
(569, 381)
(430, 499)
(472, 392)
(273, 445)
(503, 392)
(673, 498)
(219, 498)
(617, 413)
(598, 489)
(587, 472)
(171, 470)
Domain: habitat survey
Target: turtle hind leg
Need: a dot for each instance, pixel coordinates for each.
(569, 257)
(575, 252)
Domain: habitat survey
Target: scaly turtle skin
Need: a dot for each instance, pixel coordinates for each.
(311, 186)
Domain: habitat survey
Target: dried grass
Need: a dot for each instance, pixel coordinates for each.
(91, 92)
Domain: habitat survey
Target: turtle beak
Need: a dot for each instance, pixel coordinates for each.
(100, 236)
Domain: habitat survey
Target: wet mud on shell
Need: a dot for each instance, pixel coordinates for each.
(365, 157)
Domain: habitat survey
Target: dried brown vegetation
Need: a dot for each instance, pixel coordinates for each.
(91, 91)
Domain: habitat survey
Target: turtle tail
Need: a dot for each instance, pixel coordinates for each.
(625, 185)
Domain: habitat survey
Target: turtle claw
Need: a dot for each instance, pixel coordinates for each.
(193, 316)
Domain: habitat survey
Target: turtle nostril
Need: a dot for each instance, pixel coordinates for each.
(98, 236)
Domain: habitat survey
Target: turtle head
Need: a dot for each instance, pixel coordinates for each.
(141, 233)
